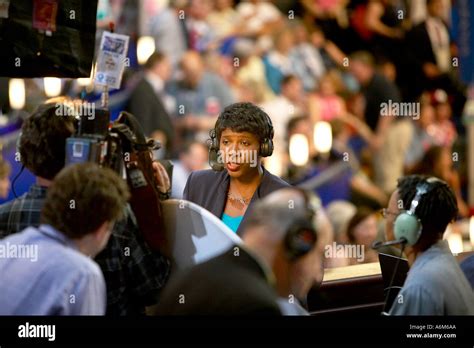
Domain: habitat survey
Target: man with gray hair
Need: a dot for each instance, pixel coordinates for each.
(280, 260)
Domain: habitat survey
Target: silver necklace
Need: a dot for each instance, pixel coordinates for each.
(244, 201)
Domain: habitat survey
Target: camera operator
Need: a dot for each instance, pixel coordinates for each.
(134, 275)
(56, 276)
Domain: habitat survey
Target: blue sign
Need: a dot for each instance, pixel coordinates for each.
(463, 34)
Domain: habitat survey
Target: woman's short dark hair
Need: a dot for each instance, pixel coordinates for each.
(82, 197)
(244, 117)
(43, 140)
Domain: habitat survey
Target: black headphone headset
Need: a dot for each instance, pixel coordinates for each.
(301, 236)
(266, 146)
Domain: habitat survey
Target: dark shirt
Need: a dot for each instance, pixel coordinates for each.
(233, 283)
(150, 111)
(379, 90)
(209, 189)
(134, 275)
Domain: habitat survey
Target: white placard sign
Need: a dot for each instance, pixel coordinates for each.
(111, 59)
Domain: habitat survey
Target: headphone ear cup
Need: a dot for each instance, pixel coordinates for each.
(214, 144)
(214, 153)
(299, 240)
(407, 226)
(266, 148)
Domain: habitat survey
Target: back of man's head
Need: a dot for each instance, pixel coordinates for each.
(83, 197)
(435, 210)
(154, 59)
(276, 213)
(281, 231)
(43, 138)
(363, 57)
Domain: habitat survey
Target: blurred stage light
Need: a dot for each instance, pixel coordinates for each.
(145, 48)
(274, 164)
(299, 150)
(322, 137)
(52, 86)
(17, 94)
(84, 81)
(454, 240)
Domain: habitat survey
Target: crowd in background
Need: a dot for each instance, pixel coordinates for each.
(353, 64)
(306, 62)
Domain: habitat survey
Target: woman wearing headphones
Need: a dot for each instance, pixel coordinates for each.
(242, 135)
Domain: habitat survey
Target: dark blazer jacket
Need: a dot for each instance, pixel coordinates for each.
(224, 285)
(209, 188)
(419, 44)
(418, 51)
(149, 110)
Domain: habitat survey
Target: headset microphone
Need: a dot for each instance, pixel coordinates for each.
(379, 244)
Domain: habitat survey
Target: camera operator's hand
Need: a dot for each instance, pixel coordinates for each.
(164, 184)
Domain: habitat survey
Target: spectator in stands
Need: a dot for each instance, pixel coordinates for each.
(148, 101)
(337, 175)
(278, 62)
(200, 95)
(362, 230)
(330, 15)
(5, 170)
(392, 129)
(250, 71)
(429, 49)
(363, 189)
(326, 104)
(134, 278)
(443, 129)
(259, 18)
(435, 284)
(290, 103)
(224, 19)
(276, 265)
(385, 26)
(169, 32)
(438, 161)
(77, 219)
(339, 214)
(423, 134)
(307, 59)
(192, 157)
(200, 34)
(241, 137)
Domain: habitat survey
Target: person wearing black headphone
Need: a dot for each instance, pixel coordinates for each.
(418, 213)
(280, 259)
(242, 135)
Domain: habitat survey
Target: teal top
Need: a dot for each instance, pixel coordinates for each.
(232, 222)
